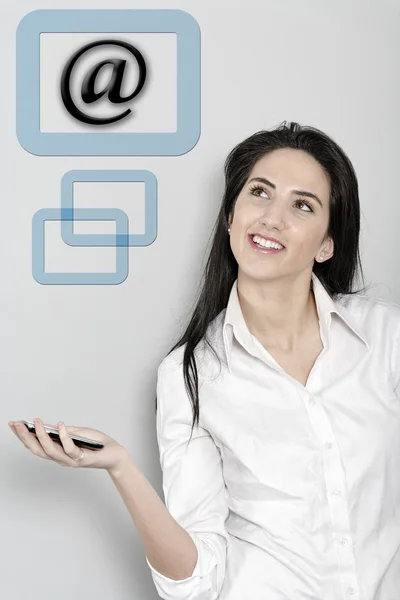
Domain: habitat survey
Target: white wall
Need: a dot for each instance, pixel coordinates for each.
(88, 354)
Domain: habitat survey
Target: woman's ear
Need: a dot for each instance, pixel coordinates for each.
(329, 248)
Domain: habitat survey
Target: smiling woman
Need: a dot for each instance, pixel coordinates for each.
(296, 186)
(278, 410)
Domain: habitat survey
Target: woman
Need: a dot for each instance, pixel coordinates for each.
(278, 417)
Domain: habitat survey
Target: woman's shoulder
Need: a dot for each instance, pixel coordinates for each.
(365, 305)
(375, 314)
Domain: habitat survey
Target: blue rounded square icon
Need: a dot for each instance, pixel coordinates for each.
(119, 240)
(116, 175)
(97, 142)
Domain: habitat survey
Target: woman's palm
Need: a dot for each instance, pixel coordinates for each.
(66, 452)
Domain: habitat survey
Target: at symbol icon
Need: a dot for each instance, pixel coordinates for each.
(113, 87)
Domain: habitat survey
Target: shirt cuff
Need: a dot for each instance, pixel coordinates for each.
(196, 587)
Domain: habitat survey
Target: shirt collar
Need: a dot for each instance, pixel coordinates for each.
(234, 323)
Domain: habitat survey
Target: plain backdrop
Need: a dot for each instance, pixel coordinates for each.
(88, 354)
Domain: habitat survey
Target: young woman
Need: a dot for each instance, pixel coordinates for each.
(278, 411)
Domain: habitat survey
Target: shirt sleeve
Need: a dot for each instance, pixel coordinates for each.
(194, 488)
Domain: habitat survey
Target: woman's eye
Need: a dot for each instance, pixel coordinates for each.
(256, 189)
(305, 204)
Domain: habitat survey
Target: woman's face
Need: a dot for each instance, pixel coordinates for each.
(298, 222)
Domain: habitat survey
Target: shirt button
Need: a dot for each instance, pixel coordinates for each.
(336, 492)
(328, 445)
(344, 541)
(311, 402)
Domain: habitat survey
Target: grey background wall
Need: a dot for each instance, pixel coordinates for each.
(88, 354)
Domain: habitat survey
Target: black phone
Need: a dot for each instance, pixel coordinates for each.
(82, 442)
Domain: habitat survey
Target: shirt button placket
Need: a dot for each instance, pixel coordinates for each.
(336, 498)
(351, 591)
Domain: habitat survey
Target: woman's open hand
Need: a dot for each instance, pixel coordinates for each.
(66, 454)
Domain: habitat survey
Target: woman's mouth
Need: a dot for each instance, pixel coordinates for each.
(264, 249)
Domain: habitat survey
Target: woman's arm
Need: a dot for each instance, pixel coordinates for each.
(186, 539)
(169, 548)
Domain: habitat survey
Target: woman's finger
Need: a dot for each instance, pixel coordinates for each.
(51, 448)
(28, 439)
(70, 448)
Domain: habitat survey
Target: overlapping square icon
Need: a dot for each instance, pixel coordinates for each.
(108, 176)
(69, 214)
(118, 239)
(108, 82)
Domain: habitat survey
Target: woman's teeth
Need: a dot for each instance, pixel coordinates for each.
(261, 243)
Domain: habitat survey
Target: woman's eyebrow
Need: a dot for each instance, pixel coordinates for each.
(300, 192)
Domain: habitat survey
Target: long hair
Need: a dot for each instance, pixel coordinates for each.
(337, 274)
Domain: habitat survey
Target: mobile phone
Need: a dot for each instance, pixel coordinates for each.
(82, 442)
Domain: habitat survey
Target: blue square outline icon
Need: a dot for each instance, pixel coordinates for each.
(108, 21)
(86, 214)
(115, 175)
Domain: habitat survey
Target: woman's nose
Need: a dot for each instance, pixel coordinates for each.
(273, 215)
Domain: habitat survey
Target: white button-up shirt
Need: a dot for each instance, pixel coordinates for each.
(289, 492)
